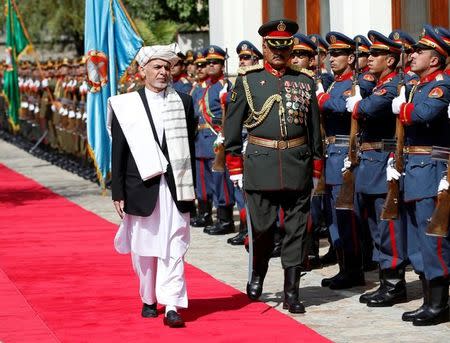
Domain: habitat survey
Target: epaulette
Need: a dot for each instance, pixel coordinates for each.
(305, 71)
(246, 70)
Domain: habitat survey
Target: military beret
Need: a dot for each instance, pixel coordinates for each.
(278, 33)
(339, 41)
(302, 42)
(319, 41)
(247, 48)
(363, 43)
(404, 38)
(381, 42)
(429, 39)
(214, 52)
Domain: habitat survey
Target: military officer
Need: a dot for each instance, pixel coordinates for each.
(377, 122)
(277, 105)
(203, 140)
(213, 105)
(326, 78)
(344, 230)
(423, 112)
(179, 76)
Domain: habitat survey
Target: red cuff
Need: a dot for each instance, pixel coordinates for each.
(355, 111)
(405, 114)
(223, 98)
(317, 168)
(321, 99)
(235, 164)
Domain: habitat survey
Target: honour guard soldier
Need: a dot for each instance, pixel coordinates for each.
(248, 55)
(303, 51)
(445, 35)
(213, 106)
(363, 46)
(179, 76)
(408, 42)
(278, 107)
(424, 116)
(191, 68)
(326, 78)
(377, 122)
(344, 231)
(203, 140)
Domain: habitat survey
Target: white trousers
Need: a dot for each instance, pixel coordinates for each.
(161, 280)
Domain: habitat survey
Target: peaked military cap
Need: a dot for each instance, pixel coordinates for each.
(339, 41)
(247, 48)
(383, 43)
(404, 38)
(278, 33)
(302, 42)
(319, 41)
(444, 33)
(189, 56)
(199, 57)
(429, 39)
(363, 44)
(214, 52)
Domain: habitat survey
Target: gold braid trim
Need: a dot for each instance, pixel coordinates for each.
(307, 72)
(257, 117)
(245, 70)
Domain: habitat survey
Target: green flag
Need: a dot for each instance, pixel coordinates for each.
(16, 42)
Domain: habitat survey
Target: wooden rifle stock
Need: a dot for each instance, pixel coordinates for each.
(438, 225)
(218, 165)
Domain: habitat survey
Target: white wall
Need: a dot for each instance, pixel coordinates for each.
(231, 21)
(353, 17)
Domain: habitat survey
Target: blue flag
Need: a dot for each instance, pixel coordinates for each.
(111, 43)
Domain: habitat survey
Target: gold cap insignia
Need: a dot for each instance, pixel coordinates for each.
(358, 39)
(333, 39)
(211, 50)
(281, 26)
(372, 38)
(296, 41)
(314, 38)
(244, 47)
(396, 35)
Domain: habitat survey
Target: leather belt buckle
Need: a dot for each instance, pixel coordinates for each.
(282, 145)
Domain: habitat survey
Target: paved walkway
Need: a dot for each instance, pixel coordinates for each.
(335, 314)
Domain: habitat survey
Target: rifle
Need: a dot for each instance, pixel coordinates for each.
(345, 198)
(390, 209)
(219, 150)
(438, 225)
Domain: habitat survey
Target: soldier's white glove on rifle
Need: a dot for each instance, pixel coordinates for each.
(391, 172)
(443, 185)
(237, 180)
(347, 164)
(223, 90)
(320, 88)
(219, 140)
(398, 101)
(351, 101)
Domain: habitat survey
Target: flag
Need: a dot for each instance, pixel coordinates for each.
(111, 43)
(16, 43)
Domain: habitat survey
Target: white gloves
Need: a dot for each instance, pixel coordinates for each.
(315, 183)
(398, 101)
(391, 172)
(219, 140)
(350, 102)
(347, 164)
(320, 88)
(443, 185)
(237, 180)
(223, 90)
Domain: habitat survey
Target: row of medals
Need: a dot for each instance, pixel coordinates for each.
(297, 101)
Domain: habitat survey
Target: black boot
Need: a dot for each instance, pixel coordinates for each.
(225, 222)
(193, 214)
(204, 217)
(437, 310)
(352, 275)
(278, 236)
(410, 315)
(337, 252)
(239, 239)
(291, 283)
(393, 290)
(255, 287)
(364, 298)
(329, 258)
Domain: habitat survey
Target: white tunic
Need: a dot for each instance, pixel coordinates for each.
(165, 233)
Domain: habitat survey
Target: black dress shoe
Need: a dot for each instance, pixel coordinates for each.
(348, 280)
(173, 320)
(389, 296)
(327, 281)
(239, 239)
(149, 311)
(221, 228)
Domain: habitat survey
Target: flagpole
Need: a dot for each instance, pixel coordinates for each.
(34, 54)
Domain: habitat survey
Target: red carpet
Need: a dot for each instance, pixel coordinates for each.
(62, 281)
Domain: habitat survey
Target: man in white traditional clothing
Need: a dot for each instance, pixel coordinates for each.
(153, 177)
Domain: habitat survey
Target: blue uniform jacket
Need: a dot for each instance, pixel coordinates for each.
(376, 122)
(426, 124)
(337, 120)
(183, 85)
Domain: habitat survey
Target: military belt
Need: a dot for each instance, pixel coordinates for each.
(202, 126)
(417, 149)
(276, 144)
(371, 146)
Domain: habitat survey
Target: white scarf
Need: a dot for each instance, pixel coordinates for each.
(150, 161)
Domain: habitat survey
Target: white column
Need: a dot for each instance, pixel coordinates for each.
(232, 21)
(352, 17)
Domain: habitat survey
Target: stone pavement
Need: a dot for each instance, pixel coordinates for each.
(335, 314)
